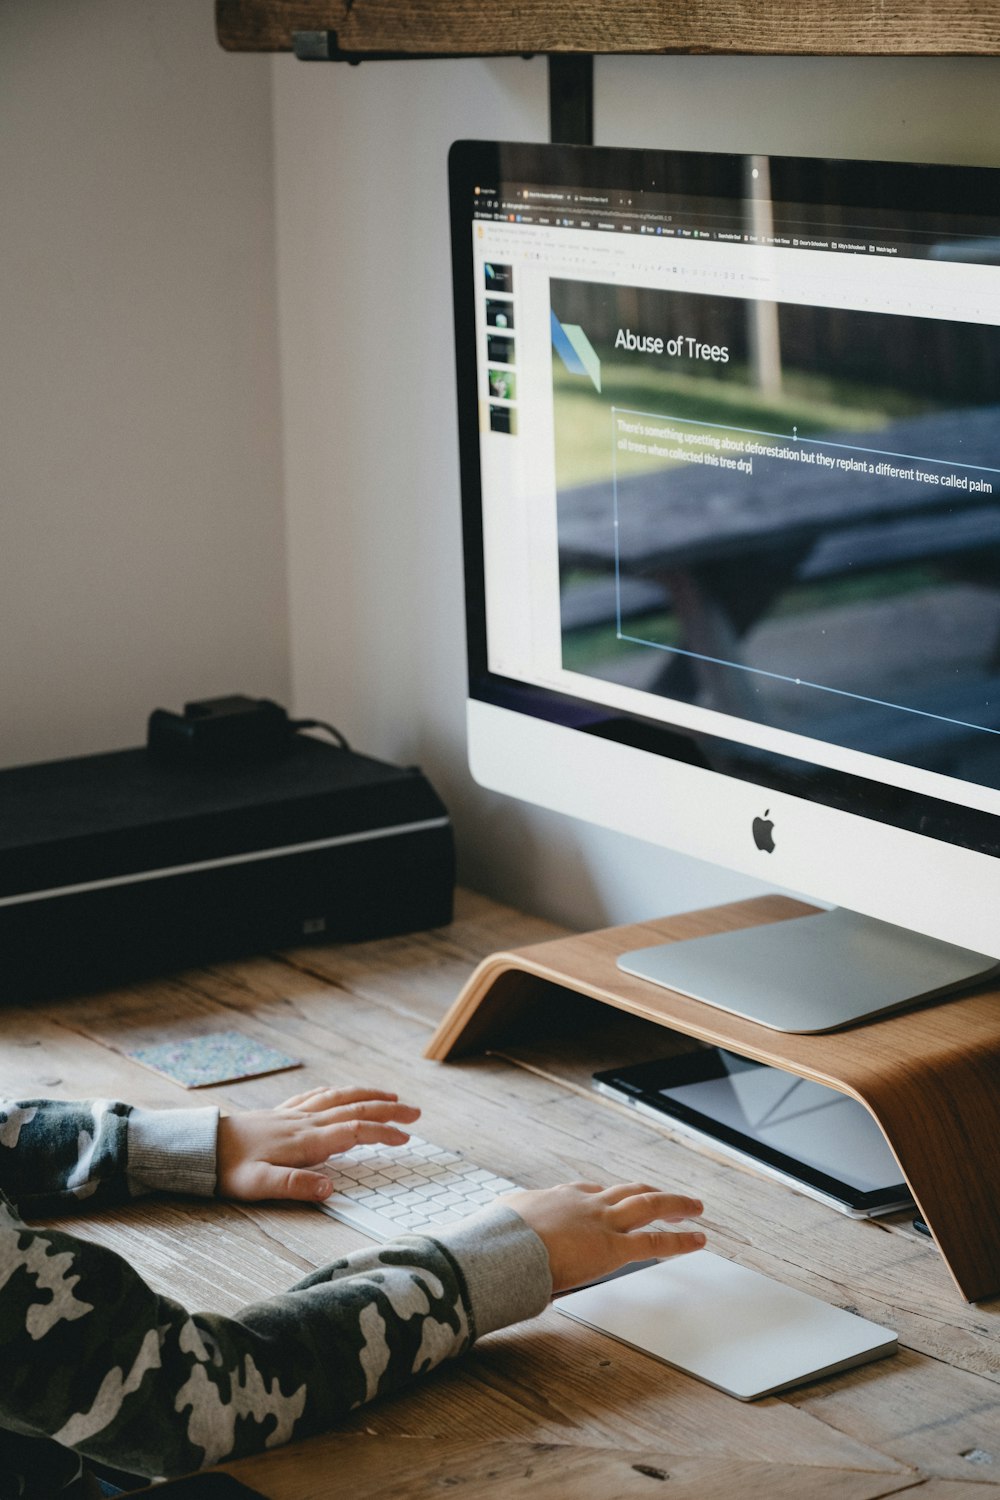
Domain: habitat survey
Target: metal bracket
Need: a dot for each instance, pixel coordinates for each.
(323, 46)
(571, 80)
(571, 98)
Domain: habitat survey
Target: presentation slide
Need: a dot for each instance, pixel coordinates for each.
(786, 512)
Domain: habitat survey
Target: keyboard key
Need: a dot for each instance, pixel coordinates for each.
(390, 1190)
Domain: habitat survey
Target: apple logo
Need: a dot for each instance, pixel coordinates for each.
(763, 832)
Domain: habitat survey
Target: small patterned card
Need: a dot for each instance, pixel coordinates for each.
(218, 1057)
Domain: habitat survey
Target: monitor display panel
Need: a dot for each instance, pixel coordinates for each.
(730, 448)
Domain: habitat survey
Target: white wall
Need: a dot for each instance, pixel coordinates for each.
(900, 109)
(371, 466)
(142, 553)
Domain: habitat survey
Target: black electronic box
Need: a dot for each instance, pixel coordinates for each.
(121, 865)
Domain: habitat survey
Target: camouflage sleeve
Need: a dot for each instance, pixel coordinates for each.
(59, 1157)
(97, 1361)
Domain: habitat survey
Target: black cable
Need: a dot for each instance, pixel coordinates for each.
(334, 734)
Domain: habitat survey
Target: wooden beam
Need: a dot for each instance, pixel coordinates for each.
(736, 27)
(270, 25)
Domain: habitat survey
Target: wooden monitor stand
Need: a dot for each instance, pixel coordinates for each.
(930, 1076)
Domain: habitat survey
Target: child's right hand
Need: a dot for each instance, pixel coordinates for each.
(590, 1231)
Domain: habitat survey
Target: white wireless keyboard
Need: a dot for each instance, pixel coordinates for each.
(413, 1189)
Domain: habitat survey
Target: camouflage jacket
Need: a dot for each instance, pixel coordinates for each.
(96, 1364)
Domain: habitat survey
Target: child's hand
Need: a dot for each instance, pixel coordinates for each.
(267, 1153)
(589, 1230)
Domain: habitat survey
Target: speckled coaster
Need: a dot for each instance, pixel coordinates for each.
(217, 1057)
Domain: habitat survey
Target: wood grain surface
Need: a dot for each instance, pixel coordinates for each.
(468, 27)
(550, 1407)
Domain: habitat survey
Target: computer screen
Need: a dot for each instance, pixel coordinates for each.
(730, 453)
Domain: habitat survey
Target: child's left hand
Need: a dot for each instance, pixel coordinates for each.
(267, 1153)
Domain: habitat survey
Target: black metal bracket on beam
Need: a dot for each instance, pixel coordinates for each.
(571, 98)
(322, 46)
(571, 80)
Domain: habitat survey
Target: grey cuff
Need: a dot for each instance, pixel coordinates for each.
(172, 1151)
(505, 1265)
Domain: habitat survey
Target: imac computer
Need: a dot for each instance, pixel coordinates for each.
(730, 461)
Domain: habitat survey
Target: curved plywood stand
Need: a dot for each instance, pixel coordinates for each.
(930, 1076)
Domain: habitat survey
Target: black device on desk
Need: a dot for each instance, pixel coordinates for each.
(205, 1487)
(814, 1138)
(232, 834)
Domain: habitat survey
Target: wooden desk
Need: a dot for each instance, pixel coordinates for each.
(548, 1408)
